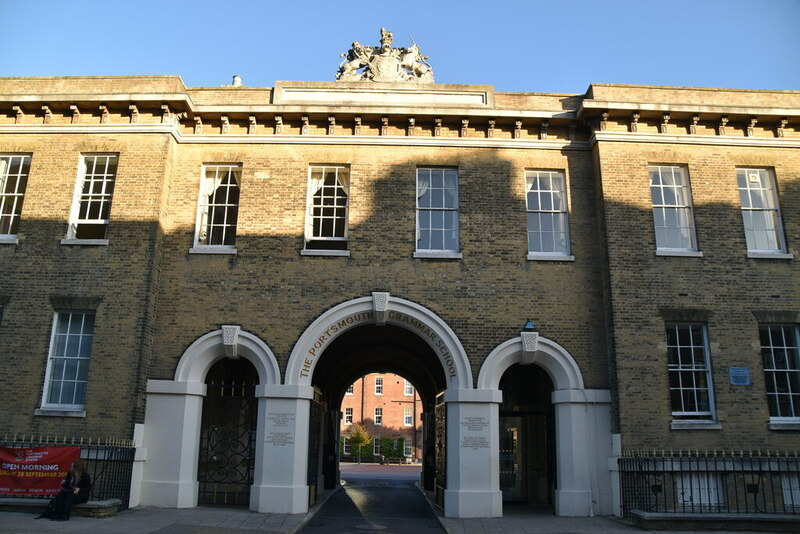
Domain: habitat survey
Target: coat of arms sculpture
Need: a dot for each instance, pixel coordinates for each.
(384, 64)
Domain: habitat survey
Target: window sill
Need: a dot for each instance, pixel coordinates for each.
(319, 252)
(213, 249)
(85, 242)
(784, 423)
(681, 253)
(55, 412)
(536, 256)
(770, 255)
(9, 239)
(694, 425)
(438, 254)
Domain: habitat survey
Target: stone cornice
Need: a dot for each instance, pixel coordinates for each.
(371, 140)
(685, 139)
(594, 107)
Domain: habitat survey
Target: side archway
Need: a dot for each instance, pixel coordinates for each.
(582, 422)
(171, 433)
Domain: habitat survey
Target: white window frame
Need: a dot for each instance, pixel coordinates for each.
(318, 242)
(703, 490)
(408, 388)
(86, 201)
(62, 343)
(348, 416)
(377, 419)
(781, 361)
(376, 446)
(546, 205)
(211, 180)
(12, 194)
(672, 210)
(408, 416)
(346, 447)
(408, 449)
(350, 389)
(434, 207)
(758, 198)
(378, 385)
(683, 369)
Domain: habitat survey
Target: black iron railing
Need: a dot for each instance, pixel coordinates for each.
(737, 482)
(109, 462)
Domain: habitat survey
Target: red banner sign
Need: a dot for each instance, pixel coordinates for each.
(35, 471)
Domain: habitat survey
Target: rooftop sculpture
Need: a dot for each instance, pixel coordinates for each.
(384, 63)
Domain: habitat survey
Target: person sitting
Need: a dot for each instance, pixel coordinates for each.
(74, 490)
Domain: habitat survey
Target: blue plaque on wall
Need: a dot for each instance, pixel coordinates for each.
(740, 376)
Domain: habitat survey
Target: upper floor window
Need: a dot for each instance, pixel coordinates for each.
(13, 180)
(546, 200)
(408, 416)
(672, 208)
(326, 214)
(779, 350)
(91, 206)
(378, 419)
(218, 210)
(408, 389)
(378, 385)
(350, 389)
(348, 416)
(437, 210)
(68, 361)
(691, 392)
(760, 212)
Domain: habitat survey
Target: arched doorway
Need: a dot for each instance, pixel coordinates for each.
(581, 422)
(227, 434)
(527, 436)
(172, 427)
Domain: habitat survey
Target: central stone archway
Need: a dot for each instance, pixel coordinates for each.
(464, 412)
(379, 309)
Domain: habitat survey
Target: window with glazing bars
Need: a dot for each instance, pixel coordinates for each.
(672, 208)
(408, 416)
(346, 446)
(92, 206)
(378, 385)
(348, 416)
(219, 205)
(326, 218)
(13, 181)
(378, 419)
(376, 446)
(408, 388)
(760, 212)
(68, 362)
(779, 351)
(437, 210)
(691, 393)
(546, 199)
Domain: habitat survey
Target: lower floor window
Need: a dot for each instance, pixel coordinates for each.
(781, 369)
(376, 446)
(68, 361)
(407, 447)
(691, 393)
(346, 446)
(699, 491)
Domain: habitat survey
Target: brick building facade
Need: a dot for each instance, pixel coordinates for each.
(158, 241)
(388, 407)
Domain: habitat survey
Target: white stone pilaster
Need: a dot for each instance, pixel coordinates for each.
(172, 437)
(280, 480)
(473, 454)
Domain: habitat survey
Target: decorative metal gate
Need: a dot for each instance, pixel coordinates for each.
(227, 444)
(441, 451)
(314, 441)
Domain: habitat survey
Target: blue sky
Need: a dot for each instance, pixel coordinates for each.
(534, 45)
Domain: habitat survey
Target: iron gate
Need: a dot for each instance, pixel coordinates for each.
(441, 451)
(227, 444)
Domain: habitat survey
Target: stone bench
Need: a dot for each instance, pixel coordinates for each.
(718, 521)
(104, 508)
